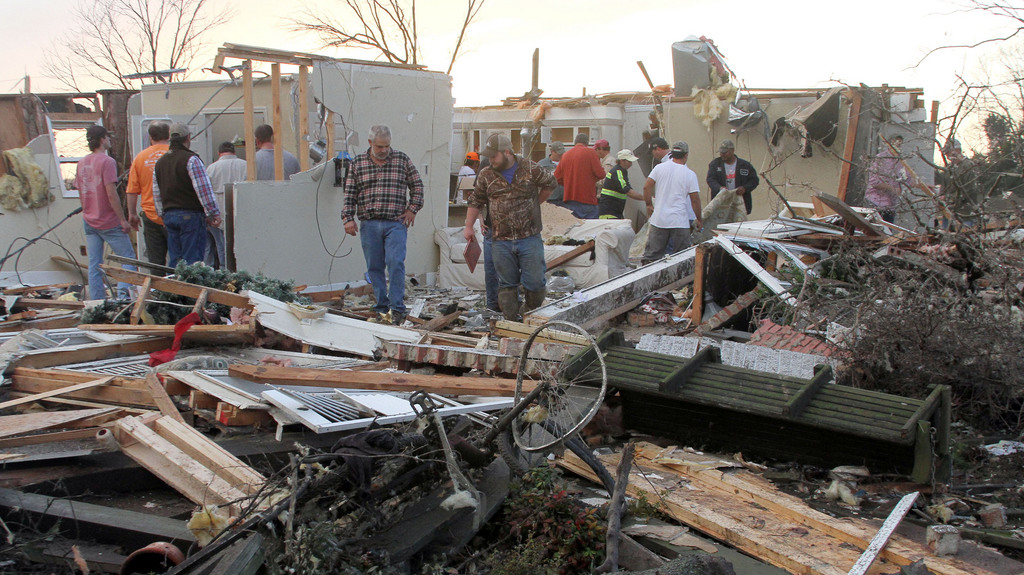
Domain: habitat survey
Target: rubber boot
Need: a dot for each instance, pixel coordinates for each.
(534, 299)
(508, 299)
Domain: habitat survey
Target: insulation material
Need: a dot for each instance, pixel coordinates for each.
(28, 187)
(708, 102)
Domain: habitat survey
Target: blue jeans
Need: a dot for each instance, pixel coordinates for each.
(520, 262)
(215, 253)
(490, 274)
(186, 236)
(583, 211)
(384, 248)
(119, 243)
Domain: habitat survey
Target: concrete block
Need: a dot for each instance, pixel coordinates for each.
(943, 540)
(993, 516)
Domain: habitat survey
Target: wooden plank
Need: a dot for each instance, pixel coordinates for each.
(32, 289)
(91, 352)
(882, 537)
(564, 258)
(212, 334)
(140, 303)
(177, 287)
(55, 392)
(440, 322)
(28, 422)
(201, 400)
(89, 404)
(250, 121)
(175, 467)
(330, 134)
(275, 96)
(851, 216)
(70, 319)
(505, 328)
(236, 417)
(160, 397)
(119, 390)
(387, 381)
(304, 118)
(72, 263)
(697, 305)
(209, 454)
(851, 139)
(201, 300)
(26, 302)
(53, 436)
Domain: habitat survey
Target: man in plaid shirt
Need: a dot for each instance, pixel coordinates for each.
(512, 189)
(184, 199)
(384, 190)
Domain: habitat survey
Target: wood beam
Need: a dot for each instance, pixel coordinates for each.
(275, 88)
(851, 139)
(330, 134)
(303, 118)
(250, 121)
(564, 258)
(55, 392)
(160, 397)
(387, 381)
(178, 287)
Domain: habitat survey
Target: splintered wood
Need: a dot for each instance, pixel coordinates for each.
(747, 512)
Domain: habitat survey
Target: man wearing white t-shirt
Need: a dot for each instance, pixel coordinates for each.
(672, 194)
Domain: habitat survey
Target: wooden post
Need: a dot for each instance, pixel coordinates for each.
(250, 127)
(851, 138)
(140, 302)
(330, 135)
(303, 119)
(697, 305)
(275, 87)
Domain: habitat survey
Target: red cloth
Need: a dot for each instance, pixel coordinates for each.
(578, 171)
(165, 355)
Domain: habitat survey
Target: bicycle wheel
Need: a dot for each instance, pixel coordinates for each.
(571, 392)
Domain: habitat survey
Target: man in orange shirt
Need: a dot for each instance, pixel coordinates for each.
(140, 183)
(578, 172)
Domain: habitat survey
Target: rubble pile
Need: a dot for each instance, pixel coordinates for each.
(295, 436)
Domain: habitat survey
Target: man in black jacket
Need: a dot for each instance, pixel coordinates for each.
(729, 173)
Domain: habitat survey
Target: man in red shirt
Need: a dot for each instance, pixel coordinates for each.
(578, 172)
(104, 220)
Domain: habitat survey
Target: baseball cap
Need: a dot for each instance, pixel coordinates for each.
(473, 156)
(496, 143)
(557, 148)
(626, 154)
(659, 143)
(602, 143)
(96, 132)
(179, 131)
(681, 148)
(726, 145)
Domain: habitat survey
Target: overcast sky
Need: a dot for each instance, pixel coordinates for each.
(595, 44)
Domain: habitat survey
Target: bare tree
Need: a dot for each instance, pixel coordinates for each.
(1003, 9)
(387, 27)
(112, 39)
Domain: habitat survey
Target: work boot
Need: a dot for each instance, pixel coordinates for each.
(508, 299)
(534, 299)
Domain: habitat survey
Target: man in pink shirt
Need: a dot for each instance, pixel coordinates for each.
(578, 172)
(105, 221)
